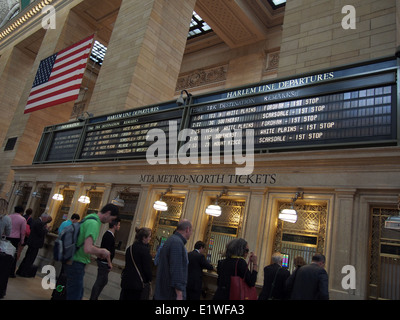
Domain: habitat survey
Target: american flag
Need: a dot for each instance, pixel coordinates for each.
(59, 76)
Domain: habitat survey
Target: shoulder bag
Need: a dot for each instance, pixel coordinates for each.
(239, 289)
(146, 292)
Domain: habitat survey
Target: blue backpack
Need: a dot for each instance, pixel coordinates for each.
(65, 245)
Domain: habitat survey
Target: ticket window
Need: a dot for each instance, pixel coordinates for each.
(95, 203)
(222, 229)
(41, 204)
(166, 222)
(23, 196)
(384, 262)
(126, 214)
(303, 238)
(63, 209)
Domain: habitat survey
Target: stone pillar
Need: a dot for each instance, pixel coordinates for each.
(313, 37)
(340, 252)
(28, 128)
(15, 67)
(144, 55)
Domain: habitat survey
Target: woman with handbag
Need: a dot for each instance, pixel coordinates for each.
(137, 275)
(234, 267)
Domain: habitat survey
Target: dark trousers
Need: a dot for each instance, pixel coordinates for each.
(101, 280)
(14, 242)
(6, 262)
(128, 294)
(193, 294)
(75, 273)
(25, 268)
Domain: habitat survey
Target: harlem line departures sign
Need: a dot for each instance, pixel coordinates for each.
(349, 106)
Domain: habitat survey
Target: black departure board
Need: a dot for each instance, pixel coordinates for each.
(64, 145)
(127, 137)
(350, 116)
(348, 106)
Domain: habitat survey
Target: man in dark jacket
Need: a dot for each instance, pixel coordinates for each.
(172, 269)
(311, 281)
(275, 277)
(39, 230)
(197, 262)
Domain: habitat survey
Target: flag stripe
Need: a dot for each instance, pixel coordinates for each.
(60, 81)
(53, 97)
(61, 87)
(51, 104)
(74, 66)
(64, 78)
(53, 82)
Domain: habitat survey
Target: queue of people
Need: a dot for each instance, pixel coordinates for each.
(179, 273)
(19, 231)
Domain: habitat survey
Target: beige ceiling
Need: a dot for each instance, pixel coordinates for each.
(101, 15)
(240, 22)
(235, 22)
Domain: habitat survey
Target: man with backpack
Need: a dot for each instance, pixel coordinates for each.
(88, 234)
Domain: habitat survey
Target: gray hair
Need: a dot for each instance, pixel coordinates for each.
(277, 258)
(183, 225)
(236, 247)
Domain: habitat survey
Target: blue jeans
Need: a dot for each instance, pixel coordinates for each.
(75, 273)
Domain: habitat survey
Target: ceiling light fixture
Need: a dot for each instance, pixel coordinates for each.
(85, 199)
(215, 210)
(58, 196)
(290, 215)
(161, 205)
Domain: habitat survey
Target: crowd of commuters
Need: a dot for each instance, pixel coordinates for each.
(20, 230)
(179, 273)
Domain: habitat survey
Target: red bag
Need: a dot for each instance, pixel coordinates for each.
(240, 290)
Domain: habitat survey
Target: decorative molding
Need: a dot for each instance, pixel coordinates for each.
(272, 61)
(202, 77)
(30, 14)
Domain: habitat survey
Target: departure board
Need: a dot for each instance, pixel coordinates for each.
(125, 138)
(350, 116)
(347, 106)
(64, 145)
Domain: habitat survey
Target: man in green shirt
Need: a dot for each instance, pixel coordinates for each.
(88, 234)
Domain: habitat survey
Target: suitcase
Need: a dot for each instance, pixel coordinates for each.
(6, 262)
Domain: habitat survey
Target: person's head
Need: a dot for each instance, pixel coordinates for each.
(277, 258)
(185, 228)
(298, 261)
(45, 218)
(3, 206)
(200, 245)
(115, 224)
(28, 211)
(19, 209)
(237, 247)
(143, 235)
(75, 217)
(318, 259)
(108, 213)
